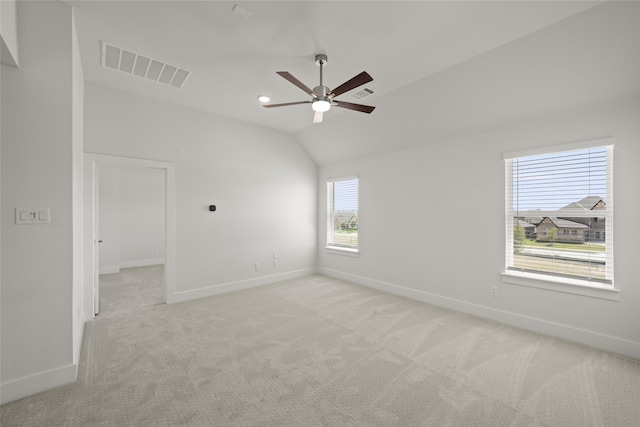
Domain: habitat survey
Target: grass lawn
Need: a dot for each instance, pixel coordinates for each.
(572, 268)
(346, 237)
(593, 247)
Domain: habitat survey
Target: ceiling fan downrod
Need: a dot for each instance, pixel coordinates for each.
(322, 102)
(321, 60)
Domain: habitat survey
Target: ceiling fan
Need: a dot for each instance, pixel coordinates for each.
(322, 98)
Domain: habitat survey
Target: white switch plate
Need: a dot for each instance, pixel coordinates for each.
(33, 216)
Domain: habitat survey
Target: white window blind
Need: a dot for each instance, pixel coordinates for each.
(559, 212)
(342, 213)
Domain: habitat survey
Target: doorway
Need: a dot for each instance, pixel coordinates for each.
(98, 169)
(131, 289)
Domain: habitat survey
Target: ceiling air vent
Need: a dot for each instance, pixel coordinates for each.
(362, 93)
(138, 65)
(370, 89)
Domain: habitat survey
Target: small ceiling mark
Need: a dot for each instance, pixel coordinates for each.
(241, 10)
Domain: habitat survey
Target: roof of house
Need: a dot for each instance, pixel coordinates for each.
(565, 223)
(588, 203)
(534, 220)
(524, 224)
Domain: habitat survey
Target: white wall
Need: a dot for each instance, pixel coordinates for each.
(142, 216)
(37, 171)
(448, 247)
(262, 181)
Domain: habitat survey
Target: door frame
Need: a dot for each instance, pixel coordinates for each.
(92, 161)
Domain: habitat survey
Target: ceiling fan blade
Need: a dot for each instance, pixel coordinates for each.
(357, 107)
(286, 104)
(317, 117)
(358, 80)
(296, 82)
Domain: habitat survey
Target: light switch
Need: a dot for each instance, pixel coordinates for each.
(33, 216)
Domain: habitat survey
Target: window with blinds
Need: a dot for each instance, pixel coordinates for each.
(559, 212)
(342, 213)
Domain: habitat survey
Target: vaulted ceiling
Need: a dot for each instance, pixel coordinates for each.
(440, 68)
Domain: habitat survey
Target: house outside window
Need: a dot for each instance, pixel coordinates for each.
(342, 214)
(559, 191)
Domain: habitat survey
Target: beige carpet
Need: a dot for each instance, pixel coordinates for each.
(132, 288)
(317, 351)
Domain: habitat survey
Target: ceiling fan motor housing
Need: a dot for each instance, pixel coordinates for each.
(321, 92)
(322, 102)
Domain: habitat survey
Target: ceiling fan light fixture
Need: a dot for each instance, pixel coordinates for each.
(321, 105)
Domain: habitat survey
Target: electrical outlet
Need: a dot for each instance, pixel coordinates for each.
(493, 291)
(275, 254)
(257, 266)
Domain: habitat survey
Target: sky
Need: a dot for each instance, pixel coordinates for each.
(552, 181)
(345, 195)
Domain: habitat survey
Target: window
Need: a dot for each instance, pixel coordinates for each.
(342, 213)
(558, 193)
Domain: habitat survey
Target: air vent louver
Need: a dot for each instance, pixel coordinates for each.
(132, 63)
(362, 93)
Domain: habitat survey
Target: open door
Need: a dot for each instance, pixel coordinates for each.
(96, 241)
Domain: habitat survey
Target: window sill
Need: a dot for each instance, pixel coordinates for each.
(336, 250)
(559, 284)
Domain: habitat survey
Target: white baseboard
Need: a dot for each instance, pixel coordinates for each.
(110, 269)
(141, 262)
(236, 286)
(23, 387)
(570, 333)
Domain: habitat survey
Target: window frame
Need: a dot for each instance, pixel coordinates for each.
(330, 246)
(574, 285)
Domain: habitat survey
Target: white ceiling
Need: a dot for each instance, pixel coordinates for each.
(441, 68)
